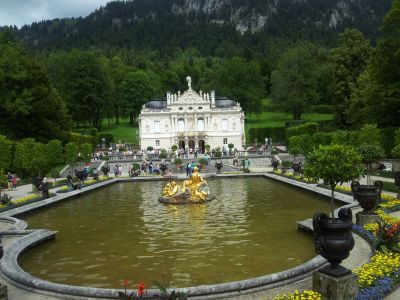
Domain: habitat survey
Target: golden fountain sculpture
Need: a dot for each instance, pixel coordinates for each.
(192, 190)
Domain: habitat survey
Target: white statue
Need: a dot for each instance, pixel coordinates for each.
(189, 80)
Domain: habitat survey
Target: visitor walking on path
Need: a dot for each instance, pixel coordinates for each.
(44, 187)
(9, 181)
(14, 182)
(69, 182)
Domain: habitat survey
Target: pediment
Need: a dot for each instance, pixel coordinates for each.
(190, 96)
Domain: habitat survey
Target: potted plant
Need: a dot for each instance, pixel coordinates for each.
(217, 153)
(368, 195)
(178, 162)
(163, 154)
(370, 154)
(275, 164)
(295, 146)
(285, 164)
(207, 147)
(105, 169)
(231, 146)
(297, 166)
(174, 148)
(219, 164)
(203, 162)
(333, 238)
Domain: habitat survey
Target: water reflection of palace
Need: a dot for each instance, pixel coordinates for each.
(191, 120)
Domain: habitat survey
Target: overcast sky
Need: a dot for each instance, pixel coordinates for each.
(20, 12)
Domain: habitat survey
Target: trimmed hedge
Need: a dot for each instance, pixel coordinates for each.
(80, 139)
(323, 109)
(306, 128)
(276, 133)
(391, 187)
(86, 131)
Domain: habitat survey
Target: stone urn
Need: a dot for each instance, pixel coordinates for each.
(163, 168)
(105, 170)
(397, 181)
(368, 196)
(275, 164)
(334, 240)
(219, 166)
(297, 167)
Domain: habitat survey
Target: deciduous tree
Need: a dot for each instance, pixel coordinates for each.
(136, 91)
(294, 82)
(350, 60)
(29, 105)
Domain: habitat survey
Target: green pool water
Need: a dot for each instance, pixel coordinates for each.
(121, 231)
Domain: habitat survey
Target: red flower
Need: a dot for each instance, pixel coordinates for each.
(140, 290)
(126, 282)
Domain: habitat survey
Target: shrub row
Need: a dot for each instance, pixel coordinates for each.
(276, 133)
(306, 128)
(79, 138)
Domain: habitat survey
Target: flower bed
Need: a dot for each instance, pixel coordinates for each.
(64, 189)
(378, 277)
(382, 274)
(23, 201)
(296, 177)
(306, 295)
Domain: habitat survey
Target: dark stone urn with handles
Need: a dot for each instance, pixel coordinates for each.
(334, 240)
(368, 196)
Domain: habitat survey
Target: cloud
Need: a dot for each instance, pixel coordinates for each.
(21, 12)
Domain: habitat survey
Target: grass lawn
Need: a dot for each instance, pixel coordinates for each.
(278, 119)
(122, 132)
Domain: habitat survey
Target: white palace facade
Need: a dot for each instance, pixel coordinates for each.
(191, 120)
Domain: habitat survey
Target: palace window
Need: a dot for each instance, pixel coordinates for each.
(157, 143)
(157, 126)
(181, 125)
(200, 124)
(224, 124)
(225, 141)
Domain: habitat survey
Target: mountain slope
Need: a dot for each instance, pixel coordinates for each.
(204, 24)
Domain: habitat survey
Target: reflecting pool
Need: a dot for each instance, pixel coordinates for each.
(122, 231)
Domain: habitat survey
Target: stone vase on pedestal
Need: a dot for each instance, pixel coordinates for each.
(368, 196)
(334, 241)
(297, 167)
(397, 181)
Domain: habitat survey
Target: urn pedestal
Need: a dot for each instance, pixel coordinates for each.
(363, 219)
(333, 288)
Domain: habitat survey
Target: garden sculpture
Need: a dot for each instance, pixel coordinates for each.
(192, 190)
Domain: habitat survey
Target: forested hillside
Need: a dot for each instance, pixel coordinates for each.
(214, 27)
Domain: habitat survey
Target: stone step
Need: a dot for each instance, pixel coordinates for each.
(305, 225)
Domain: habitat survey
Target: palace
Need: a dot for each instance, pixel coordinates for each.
(191, 121)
